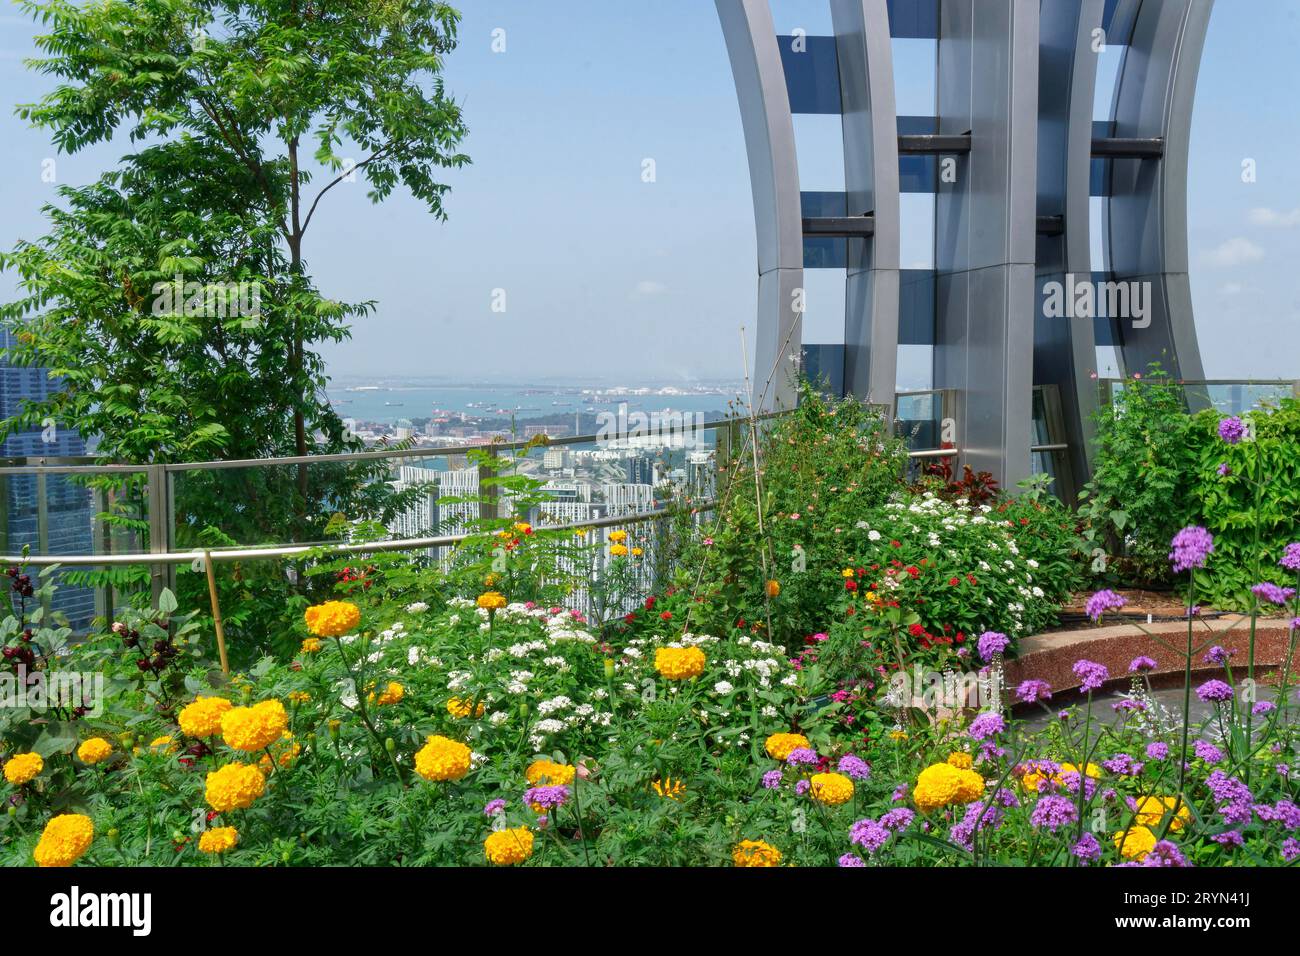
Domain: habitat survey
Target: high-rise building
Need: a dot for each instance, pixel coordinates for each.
(429, 514)
(54, 516)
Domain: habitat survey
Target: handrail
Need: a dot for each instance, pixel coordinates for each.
(362, 547)
(344, 457)
(367, 547)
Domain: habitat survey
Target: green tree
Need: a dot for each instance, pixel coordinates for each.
(230, 98)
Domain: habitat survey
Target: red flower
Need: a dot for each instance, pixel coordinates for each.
(953, 582)
(850, 584)
(631, 618)
(666, 616)
(895, 544)
(916, 630)
(650, 603)
(914, 571)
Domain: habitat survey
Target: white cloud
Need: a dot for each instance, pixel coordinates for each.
(648, 287)
(1233, 252)
(1273, 218)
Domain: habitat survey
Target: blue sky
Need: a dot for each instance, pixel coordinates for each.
(610, 277)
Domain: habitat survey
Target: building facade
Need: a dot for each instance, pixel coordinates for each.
(1014, 307)
(53, 516)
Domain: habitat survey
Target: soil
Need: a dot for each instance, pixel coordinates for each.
(1160, 605)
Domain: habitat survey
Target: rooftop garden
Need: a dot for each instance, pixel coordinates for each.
(768, 698)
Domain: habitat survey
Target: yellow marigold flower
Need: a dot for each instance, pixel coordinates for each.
(1137, 844)
(637, 552)
(507, 847)
(311, 645)
(618, 537)
(234, 787)
(679, 663)
(772, 588)
(962, 761)
(94, 750)
(1151, 810)
(779, 745)
(299, 697)
(522, 527)
(442, 758)
(942, 784)
(618, 550)
(391, 694)
(255, 728)
(847, 572)
(64, 840)
(897, 734)
(203, 717)
(218, 839)
(550, 773)
(668, 788)
(755, 853)
(163, 745)
(462, 707)
(491, 600)
(831, 789)
(333, 618)
(1093, 771)
(21, 768)
(970, 786)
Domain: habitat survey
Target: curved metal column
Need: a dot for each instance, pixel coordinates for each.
(985, 229)
(774, 181)
(1065, 349)
(1146, 214)
(871, 185)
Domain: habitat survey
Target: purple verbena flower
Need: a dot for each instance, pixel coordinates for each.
(1032, 691)
(801, 788)
(1087, 849)
(1165, 853)
(1229, 838)
(1214, 691)
(986, 725)
(1232, 430)
(1263, 707)
(802, 755)
(868, 834)
(1091, 675)
(992, 642)
(1052, 813)
(493, 807)
(1208, 752)
(1290, 849)
(1291, 557)
(854, 766)
(1142, 663)
(772, 780)
(1218, 655)
(1101, 602)
(1191, 547)
(1157, 751)
(1270, 592)
(897, 818)
(548, 798)
(851, 859)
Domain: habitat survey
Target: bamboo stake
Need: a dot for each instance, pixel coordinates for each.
(216, 612)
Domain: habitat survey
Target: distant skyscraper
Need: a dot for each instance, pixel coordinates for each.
(428, 515)
(68, 513)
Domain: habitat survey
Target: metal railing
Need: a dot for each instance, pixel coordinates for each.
(157, 549)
